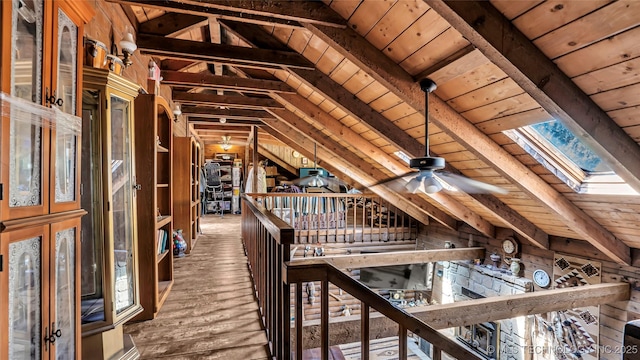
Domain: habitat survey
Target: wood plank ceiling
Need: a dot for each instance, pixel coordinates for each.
(343, 75)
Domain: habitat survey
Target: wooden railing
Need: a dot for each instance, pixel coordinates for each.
(339, 217)
(267, 240)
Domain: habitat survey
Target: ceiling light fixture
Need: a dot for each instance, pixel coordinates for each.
(226, 142)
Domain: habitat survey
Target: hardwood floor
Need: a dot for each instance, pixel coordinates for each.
(211, 312)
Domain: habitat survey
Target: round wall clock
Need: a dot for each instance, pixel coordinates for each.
(509, 246)
(541, 278)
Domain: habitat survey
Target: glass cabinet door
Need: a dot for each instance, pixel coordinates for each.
(65, 237)
(27, 50)
(25, 291)
(26, 180)
(122, 207)
(66, 131)
(92, 238)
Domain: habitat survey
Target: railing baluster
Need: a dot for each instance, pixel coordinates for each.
(364, 331)
(402, 342)
(437, 353)
(324, 320)
(299, 308)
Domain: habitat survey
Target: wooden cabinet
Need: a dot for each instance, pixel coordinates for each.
(186, 188)
(40, 63)
(154, 149)
(110, 287)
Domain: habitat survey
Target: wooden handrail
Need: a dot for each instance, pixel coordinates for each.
(299, 273)
(277, 228)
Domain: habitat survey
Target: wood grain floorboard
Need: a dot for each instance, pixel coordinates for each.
(211, 312)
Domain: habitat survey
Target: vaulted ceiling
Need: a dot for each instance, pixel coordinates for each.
(344, 74)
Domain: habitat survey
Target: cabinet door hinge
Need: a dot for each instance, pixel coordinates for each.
(1, 262)
(1, 191)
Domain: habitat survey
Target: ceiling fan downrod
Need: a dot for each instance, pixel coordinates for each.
(427, 162)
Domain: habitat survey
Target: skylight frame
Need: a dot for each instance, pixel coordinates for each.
(560, 165)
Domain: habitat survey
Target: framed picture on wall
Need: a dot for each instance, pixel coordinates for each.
(304, 161)
(226, 156)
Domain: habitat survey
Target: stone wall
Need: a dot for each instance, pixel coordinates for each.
(488, 282)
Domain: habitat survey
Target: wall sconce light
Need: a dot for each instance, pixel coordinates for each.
(128, 46)
(26, 12)
(176, 112)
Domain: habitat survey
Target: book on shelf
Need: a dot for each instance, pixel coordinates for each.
(162, 240)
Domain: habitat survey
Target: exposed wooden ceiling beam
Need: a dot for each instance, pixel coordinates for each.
(227, 54)
(477, 311)
(203, 111)
(414, 205)
(223, 127)
(176, 65)
(171, 24)
(493, 34)
(245, 102)
(234, 83)
(197, 120)
(200, 10)
(394, 78)
(303, 11)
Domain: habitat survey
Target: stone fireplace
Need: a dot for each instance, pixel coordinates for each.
(501, 340)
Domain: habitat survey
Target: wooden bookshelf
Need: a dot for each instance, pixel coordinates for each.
(186, 189)
(154, 164)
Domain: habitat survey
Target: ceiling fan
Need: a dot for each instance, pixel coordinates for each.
(316, 177)
(429, 177)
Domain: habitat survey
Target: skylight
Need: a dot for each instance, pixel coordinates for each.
(570, 146)
(563, 154)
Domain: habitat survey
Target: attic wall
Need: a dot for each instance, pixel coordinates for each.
(612, 316)
(111, 22)
(210, 151)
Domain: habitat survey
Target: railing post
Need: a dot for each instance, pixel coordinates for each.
(285, 302)
(299, 308)
(324, 320)
(364, 331)
(402, 342)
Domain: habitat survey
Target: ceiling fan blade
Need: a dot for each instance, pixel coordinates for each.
(402, 179)
(317, 181)
(468, 185)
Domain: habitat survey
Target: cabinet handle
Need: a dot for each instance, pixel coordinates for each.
(50, 338)
(53, 100)
(56, 333)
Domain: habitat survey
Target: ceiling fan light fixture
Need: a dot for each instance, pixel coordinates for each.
(414, 184)
(431, 185)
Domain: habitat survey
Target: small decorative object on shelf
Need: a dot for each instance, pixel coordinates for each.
(179, 244)
(515, 266)
(495, 257)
